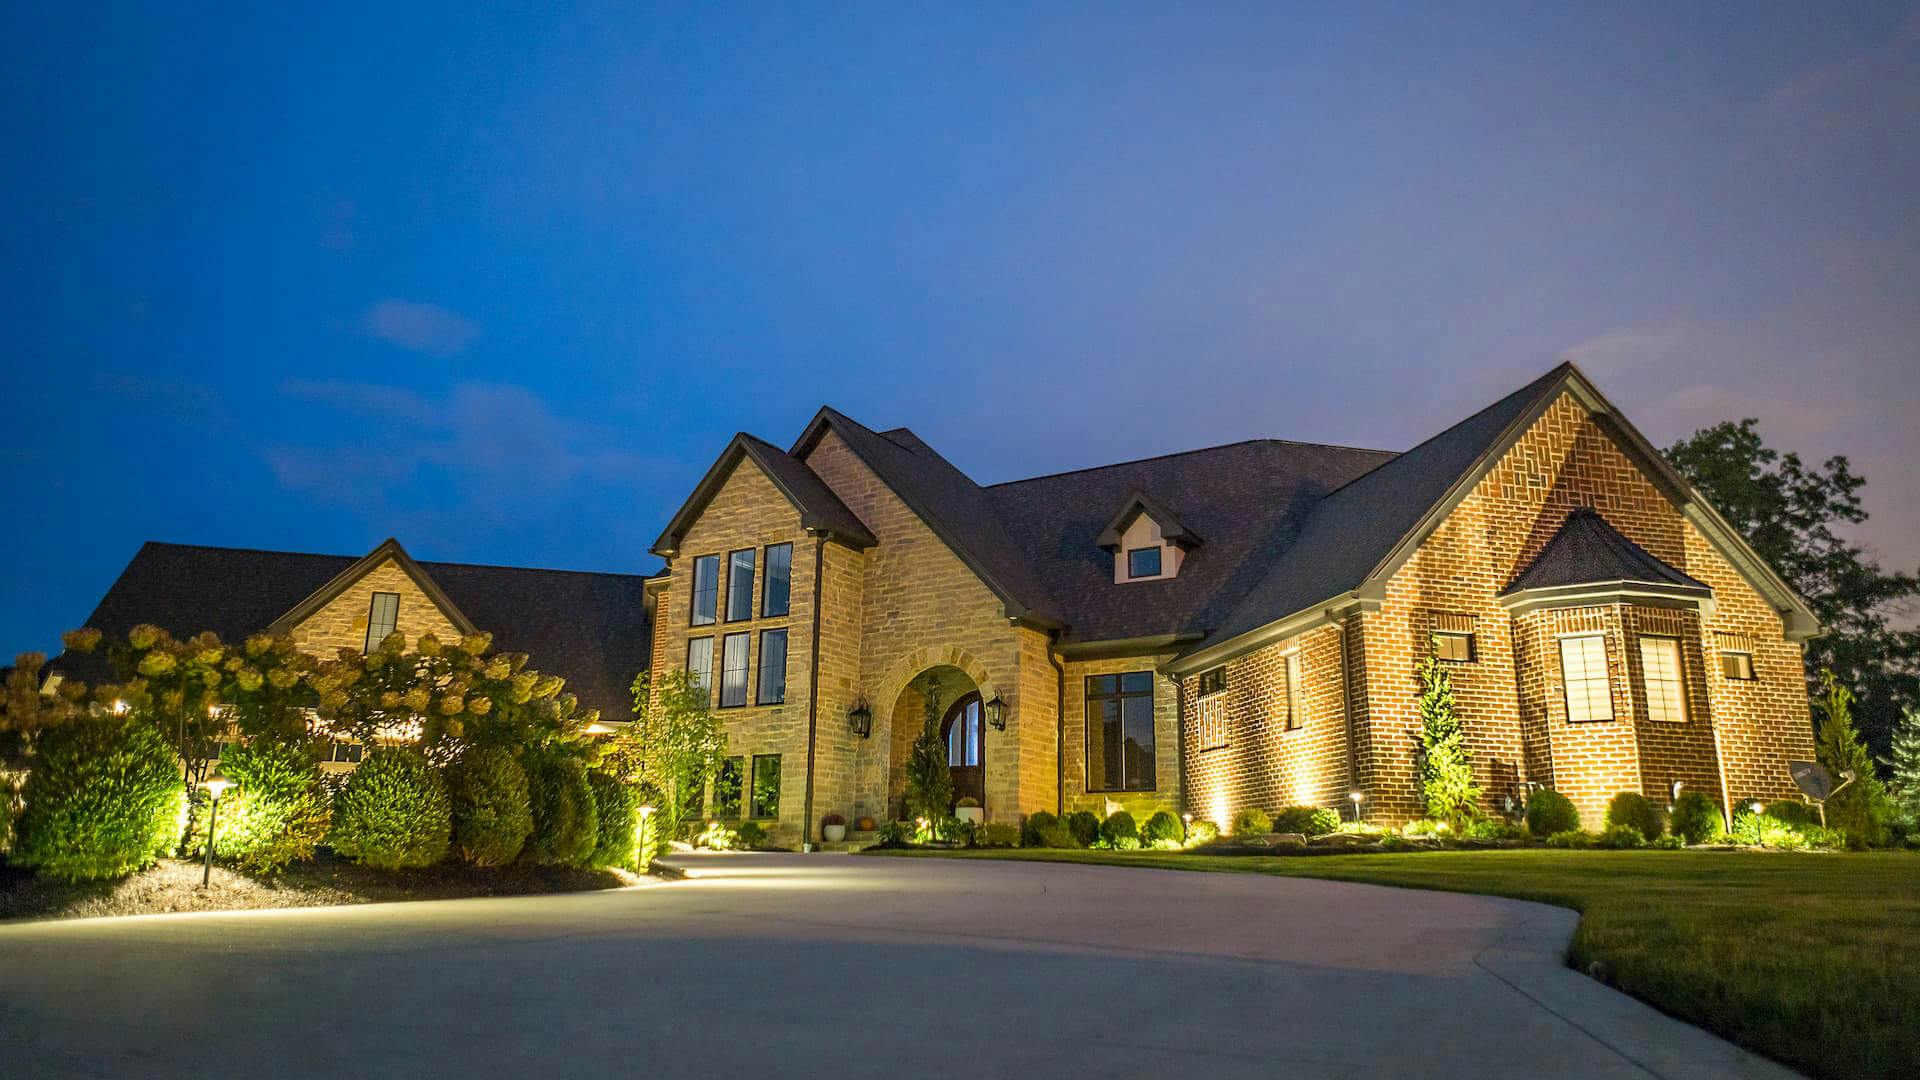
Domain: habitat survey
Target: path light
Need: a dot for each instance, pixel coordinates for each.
(860, 719)
(1358, 797)
(997, 714)
(642, 841)
(216, 785)
(119, 707)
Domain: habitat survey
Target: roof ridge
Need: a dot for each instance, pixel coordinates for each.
(362, 555)
(1390, 454)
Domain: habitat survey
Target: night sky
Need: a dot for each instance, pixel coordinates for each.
(502, 283)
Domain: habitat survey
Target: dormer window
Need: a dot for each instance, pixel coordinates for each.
(1147, 541)
(1143, 562)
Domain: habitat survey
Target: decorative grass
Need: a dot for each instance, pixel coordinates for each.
(1811, 959)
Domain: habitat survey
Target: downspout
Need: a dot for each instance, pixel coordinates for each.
(1346, 698)
(1059, 729)
(813, 691)
(1180, 741)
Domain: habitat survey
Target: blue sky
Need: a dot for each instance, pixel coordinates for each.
(502, 281)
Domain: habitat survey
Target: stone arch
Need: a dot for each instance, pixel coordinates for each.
(907, 668)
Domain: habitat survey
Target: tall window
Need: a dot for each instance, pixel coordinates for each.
(766, 785)
(963, 734)
(1583, 669)
(700, 662)
(1660, 670)
(773, 668)
(1120, 732)
(706, 588)
(1143, 562)
(775, 594)
(740, 585)
(1296, 694)
(382, 618)
(727, 787)
(733, 670)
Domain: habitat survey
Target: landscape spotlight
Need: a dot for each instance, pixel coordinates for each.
(216, 785)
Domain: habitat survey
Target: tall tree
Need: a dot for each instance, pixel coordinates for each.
(1446, 766)
(1789, 511)
(1905, 763)
(674, 746)
(1859, 806)
(929, 781)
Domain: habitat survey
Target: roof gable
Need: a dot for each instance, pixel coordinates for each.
(956, 509)
(821, 511)
(388, 549)
(1137, 503)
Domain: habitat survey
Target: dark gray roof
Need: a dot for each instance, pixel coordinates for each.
(589, 628)
(1247, 500)
(958, 510)
(820, 509)
(1589, 550)
(1354, 528)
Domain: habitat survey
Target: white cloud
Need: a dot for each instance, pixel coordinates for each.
(418, 327)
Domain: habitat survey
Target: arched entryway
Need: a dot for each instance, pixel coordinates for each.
(946, 698)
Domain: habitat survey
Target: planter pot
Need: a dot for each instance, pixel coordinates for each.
(974, 814)
(834, 833)
(866, 824)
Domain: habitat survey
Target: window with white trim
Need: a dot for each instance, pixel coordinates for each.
(1583, 675)
(1660, 673)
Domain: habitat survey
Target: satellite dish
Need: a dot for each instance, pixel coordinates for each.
(1812, 779)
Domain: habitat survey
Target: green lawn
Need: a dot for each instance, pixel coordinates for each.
(1813, 959)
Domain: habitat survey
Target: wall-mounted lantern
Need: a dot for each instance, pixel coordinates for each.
(860, 719)
(997, 714)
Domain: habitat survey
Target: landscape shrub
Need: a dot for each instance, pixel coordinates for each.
(1669, 843)
(1396, 842)
(616, 815)
(1031, 827)
(565, 826)
(1058, 835)
(1252, 820)
(1696, 817)
(1571, 838)
(955, 830)
(751, 836)
(997, 834)
(277, 811)
(1549, 812)
(1495, 829)
(1162, 827)
(1621, 836)
(393, 812)
(1084, 826)
(1426, 827)
(1119, 831)
(1308, 821)
(895, 834)
(718, 837)
(1202, 832)
(492, 814)
(1630, 808)
(1793, 812)
(104, 798)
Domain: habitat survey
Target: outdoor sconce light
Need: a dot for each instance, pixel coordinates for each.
(860, 719)
(216, 785)
(997, 714)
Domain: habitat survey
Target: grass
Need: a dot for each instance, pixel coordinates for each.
(1811, 959)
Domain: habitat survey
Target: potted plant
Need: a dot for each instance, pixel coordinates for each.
(968, 809)
(834, 828)
(866, 824)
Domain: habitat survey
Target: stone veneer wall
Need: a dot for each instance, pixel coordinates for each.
(1565, 461)
(1264, 764)
(342, 623)
(1166, 739)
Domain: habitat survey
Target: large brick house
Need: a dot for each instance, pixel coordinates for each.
(1207, 631)
(1230, 627)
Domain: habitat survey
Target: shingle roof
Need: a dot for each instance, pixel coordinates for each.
(820, 509)
(1247, 500)
(958, 510)
(1588, 550)
(589, 628)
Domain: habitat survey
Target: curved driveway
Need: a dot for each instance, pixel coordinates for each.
(764, 966)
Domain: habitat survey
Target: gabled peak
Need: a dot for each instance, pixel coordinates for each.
(1135, 504)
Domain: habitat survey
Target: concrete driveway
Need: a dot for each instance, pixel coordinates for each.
(763, 966)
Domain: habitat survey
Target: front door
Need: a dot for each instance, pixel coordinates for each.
(962, 730)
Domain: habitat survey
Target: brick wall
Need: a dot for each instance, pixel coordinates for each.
(342, 623)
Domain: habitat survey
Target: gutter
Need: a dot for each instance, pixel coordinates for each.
(813, 691)
(1059, 734)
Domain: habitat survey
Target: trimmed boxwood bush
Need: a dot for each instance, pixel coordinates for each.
(616, 810)
(1549, 812)
(1696, 818)
(1119, 831)
(1034, 824)
(1572, 838)
(1202, 832)
(1057, 835)
(1795, 813)
(393, 812)
(1622, 835)
(997, 834)
(1632, 809)
(1084, 826)
(277, 812)
(492, 815)
(565, 828)
(1252, 820)
(1309, 821)
(1163, 826)
(104, 798)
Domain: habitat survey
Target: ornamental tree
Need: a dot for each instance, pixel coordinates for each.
(1446, 766)
(929, 781)
(674, 746)
(1861, 808)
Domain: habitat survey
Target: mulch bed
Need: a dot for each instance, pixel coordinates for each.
(174, 885)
